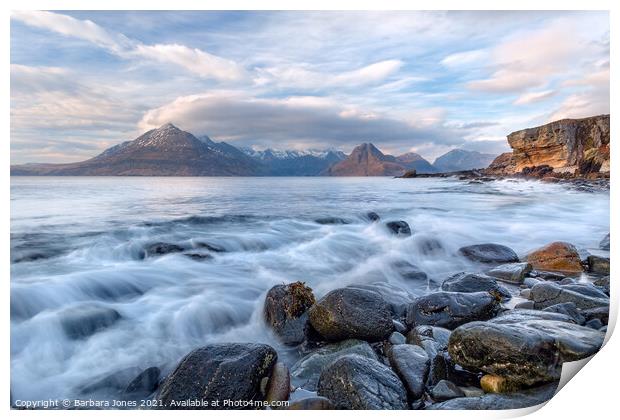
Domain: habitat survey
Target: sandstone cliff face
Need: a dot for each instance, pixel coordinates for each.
(572, 146)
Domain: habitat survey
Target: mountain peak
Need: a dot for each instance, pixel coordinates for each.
(168, 126)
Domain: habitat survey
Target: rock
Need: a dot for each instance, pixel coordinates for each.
(556, 256)
(359, 383)
(489, 253)
(286, 309)
(446, 390)
(410, 271)
(451, 309)
(397, 338)
(472, 391)
(161, 248)
(603, 283)
(547, 275)
(511, 273)
(598, 265)
(432, 339)
(519, 315)
(569, 309)
(548, 294)
(332, 221)
(525, 293)
(496, 384)
(279, 385)
(411, 364)
(372, 216)
(312, 403)
(521, 399)
(83, 321)
(528, 282)
(197, 256)
(471, 282)
(306, 371)
(525, 305)
(523, 351)
(352, 313)
(209, 247)
(112, 384)
(601, 313)
(399, 327)
(399, 228)
(396, 297)
(443, 367)
(594, 324)
(143, 385)
(604, 244)
(429, 246)
(218, 372)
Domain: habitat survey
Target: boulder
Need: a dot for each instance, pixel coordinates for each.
(601, 313)
(352, 313)
(372, 216)
(279, 385)
(603, 284)
(511, 273)
(556, 256)
(548, 294)
(411, 364)
(110, 384)
(547, 275)
(161, 248)
(451, 309)
(432, 339)
(598, 265)
(410, 271)
(523, 351)
(397, 338)
(569, 309)
(396, 297)
(143, 385)
(312, 403)
(218, 372)
(83, 321)
(399, 228)
(305, 373)
(286, 311)
(359, 383)
(489, 253)
(446, 390)
(471, 282)
(604, 244)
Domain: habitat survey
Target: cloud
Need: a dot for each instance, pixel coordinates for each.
(308, 121)
(465, 58)
(199, 62)
(531, 97)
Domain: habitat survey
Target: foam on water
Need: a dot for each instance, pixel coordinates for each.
(78, 243)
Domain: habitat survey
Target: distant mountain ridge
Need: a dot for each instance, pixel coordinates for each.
(295, 162)
(462, 160)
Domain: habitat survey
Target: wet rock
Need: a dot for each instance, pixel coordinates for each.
(587, 289)
(525, 293)
(209, 247)
(286, 311)
(161, 248)
(352, 313)
(84, 321)
(594, 324)
(411, 364)
(451, 309)
(429, 246)
(556, 256)
(509, 401)
(144, 384)
(528, 282)
(306, 371)
(332, 221)
(312, 403)
(279, 385)
(518, 315)
(524, 351)
(497, 384)
(489, 253)
(372, 216)
(110, 385)
(569, 309)
(548, 294)
(446, 390)
(547, 275)
(399, 327)
(598, 265)
(525, 305)
(601, 313)
(219, 372)
(410, 271)
(603, 283)
(471, 282)
(359, 383)
(472, 391)
(396, 297)
(511, 273)
(399, 228)
(604, 244)
(432, 339)
(397, 338)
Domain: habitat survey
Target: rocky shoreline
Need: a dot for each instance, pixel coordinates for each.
(494, 339)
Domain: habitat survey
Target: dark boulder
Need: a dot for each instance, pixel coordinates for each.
(352, 313)
(111, 384)
(399, 228)
(446, 390)
(489, 253)
(523, 351)
(432, 339)
(84, 321)
(305, 373)
(286, 311)
(451, 309)
(372, 216)
(144, 384)
(279, 385)
(411, 364)
(569, 309)
(396, 297)
(598, 265)
(359, 383)
(472, 282)
(161, 248)
(547, 294)
(511, 273)
(218, 372)
(601, 313)
(603, 284)
(332, 221)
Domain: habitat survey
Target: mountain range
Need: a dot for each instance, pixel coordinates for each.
(170, 151)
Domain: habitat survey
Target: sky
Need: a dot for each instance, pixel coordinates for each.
(425, 82)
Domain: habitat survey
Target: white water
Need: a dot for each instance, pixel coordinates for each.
(89, 233)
